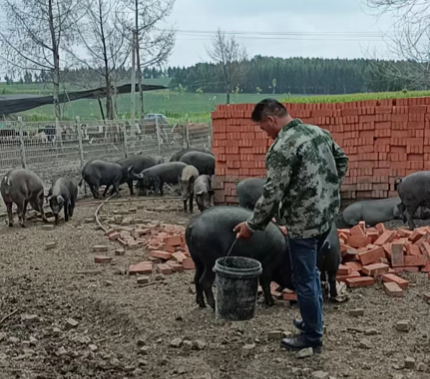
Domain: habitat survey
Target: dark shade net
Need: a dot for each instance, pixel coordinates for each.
(25, 104)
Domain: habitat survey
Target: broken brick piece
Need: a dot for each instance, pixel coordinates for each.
(358, 241)
(342, 278)
(179, 257)
(425, 249)
(371, 256)
(114, 236)
(375, 269)
(402, 283)
(144, 268)
(387, 237)
(161, 254)
(344, 270)
(355, 266)
(393, 289)
(173, 241)
(164, 269)
(416, 235)
(188, 264)
(414, 260)
(424, 238)
(120, 251)
(363, 281)
(373, 235)
(397, 255)
(102, 259)
(413, 250)
(381, 228)
(100, 248)
(358, 230)
(289, 296)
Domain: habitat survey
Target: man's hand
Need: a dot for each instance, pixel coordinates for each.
(242, 231)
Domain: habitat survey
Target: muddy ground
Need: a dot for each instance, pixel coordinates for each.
(125, 331)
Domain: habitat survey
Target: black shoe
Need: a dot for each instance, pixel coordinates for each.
(300, 343)
(299, 324)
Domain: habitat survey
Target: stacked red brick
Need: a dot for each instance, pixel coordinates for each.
(377, 253)
(384, 139)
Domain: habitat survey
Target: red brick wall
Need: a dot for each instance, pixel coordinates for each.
(383, 139)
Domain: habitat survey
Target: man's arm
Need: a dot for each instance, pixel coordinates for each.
(278, 179)
(341, 161)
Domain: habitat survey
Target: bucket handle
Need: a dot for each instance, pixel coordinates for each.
(232, 246)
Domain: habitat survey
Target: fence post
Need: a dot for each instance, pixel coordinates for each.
(187, 132)
(22, 146)
(81, 146)
(157, 127)
(125, 140)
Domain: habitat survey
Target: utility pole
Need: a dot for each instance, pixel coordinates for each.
(133, 80)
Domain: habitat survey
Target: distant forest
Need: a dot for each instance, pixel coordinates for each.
(262, 75)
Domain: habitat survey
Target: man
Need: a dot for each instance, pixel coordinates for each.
(305, 169)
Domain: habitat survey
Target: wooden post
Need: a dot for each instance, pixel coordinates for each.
(157, 126)
(81, 146)
(22, 145)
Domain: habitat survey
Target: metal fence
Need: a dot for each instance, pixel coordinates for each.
(53, 150)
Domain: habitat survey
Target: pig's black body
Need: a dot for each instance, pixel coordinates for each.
(22, 187)
(155, 177)
(176, 157)
(63, 194)
(98, 173)
(414, 191)
(203, 162)
(138, 163)
(210, 235)
(249, 191)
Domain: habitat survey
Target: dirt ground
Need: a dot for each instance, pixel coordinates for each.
(125, 331)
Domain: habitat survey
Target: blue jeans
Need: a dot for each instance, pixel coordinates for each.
(306, 279)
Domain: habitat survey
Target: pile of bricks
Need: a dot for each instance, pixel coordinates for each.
(370, 254)
(383, 139)
(166, 243)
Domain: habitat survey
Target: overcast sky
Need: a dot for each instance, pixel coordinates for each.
(341, 17)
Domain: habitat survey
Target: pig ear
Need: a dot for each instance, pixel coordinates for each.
(60, 199)
(130, 169)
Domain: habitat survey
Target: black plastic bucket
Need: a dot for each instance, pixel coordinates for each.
(236, 287)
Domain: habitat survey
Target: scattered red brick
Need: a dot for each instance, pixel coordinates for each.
(188, 264)
(397, 255)
(344, 270)
(161, 254)
(414, 260)
(402, 283)
(416, 235)
(387, 237)
(413, 250)
(371, 256)
(342, 278)
(363, 281)
(393, 289)
(164, 269)
(144, 268)
(355, 266)
(289, 296)
(375, 269)
(173, 241)
(358, 241)
(102, 259)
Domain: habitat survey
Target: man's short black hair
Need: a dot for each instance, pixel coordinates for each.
(268, 107)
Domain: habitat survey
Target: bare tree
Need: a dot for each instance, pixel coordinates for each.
(153, 45)
(410, 42)
(231, 57)
(100, 44)
(32, 36)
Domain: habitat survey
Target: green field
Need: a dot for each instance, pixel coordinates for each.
(175, 105)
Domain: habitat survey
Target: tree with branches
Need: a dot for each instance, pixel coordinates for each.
(32, 35)
(231, 57)
(409, 43)
(153, 45)
(100, 45)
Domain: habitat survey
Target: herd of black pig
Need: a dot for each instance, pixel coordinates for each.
(209, 235)
(191, 168)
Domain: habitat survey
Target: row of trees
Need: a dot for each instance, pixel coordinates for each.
(56, 35)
